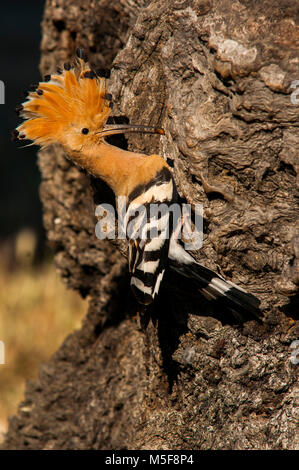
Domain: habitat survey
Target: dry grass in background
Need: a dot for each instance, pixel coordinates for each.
(36, 314)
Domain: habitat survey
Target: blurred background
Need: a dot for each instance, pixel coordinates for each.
(36, 309)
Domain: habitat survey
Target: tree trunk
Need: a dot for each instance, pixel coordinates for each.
(216, 76)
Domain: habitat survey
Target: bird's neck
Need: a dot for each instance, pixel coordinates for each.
(111, 164)
(120, 169)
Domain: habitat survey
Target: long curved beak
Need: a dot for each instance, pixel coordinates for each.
(112, 129)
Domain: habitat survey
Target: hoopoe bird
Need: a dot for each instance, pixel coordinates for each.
(72, 108)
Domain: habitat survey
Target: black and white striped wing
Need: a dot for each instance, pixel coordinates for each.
(148, 260)
(149, 228)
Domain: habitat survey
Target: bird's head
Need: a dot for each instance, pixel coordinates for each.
(71, 108)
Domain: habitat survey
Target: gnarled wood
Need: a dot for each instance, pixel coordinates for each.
(216, 76)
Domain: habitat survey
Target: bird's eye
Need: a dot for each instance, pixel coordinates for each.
(85, 130)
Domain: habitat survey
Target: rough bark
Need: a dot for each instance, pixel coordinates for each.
(216, 76)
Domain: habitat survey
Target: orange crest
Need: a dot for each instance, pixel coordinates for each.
(71, 107)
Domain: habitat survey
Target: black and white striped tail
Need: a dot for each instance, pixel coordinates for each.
(212, 286)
